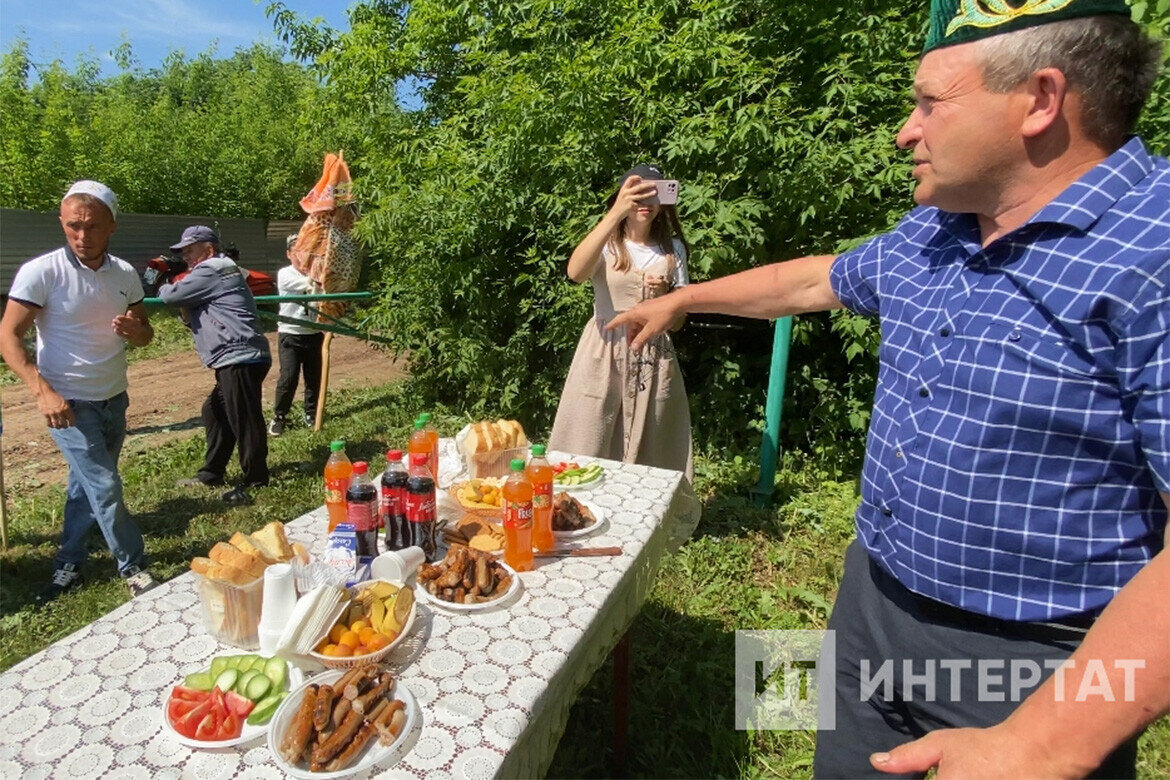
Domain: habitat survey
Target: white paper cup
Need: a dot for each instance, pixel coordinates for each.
(398, 565)
(280, 596)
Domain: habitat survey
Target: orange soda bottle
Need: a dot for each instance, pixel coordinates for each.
(420, 444)
(517, 492)
(541, 473)
(338, 471)
(433, 438)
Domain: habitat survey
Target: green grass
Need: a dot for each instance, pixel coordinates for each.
(746, 568)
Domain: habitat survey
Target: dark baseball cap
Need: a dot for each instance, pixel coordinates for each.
(194, 235)
(646, 172)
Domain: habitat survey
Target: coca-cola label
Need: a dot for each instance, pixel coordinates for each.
(392, 503)
(361, 515)
(541, 494)
(518, 514)
(420, 507)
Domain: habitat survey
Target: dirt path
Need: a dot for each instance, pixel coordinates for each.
(166, 394)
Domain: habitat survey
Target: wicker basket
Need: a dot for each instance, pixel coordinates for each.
(348, 662)
(494, 514)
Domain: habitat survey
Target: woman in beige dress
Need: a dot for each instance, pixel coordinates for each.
(617, 403)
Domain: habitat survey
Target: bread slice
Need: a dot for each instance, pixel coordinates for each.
(201, 565)
(244, 544)
(225, 554)
(272, 541)
(225, 573)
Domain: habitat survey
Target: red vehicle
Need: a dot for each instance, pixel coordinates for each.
(165, 270)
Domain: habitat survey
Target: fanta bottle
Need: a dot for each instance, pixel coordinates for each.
(518, 518)
(541, 473)
(420, 444)
(433, 438)
(338, 471)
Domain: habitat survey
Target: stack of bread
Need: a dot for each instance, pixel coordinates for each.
(231, 580)
(489, 446)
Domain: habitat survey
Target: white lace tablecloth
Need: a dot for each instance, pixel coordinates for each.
(495, 688)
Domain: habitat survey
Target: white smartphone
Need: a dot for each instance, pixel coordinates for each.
(667, 191)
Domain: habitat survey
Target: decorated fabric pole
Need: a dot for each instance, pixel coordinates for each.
(326, 252)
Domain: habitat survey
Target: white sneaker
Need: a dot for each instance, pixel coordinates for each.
(140, 583)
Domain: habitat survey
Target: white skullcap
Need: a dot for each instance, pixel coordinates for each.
(96, 189)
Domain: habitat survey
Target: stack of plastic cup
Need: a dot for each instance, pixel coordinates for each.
(280, 596)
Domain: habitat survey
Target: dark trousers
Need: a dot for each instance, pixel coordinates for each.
(875, 619)
(299, 353)
(232, 415)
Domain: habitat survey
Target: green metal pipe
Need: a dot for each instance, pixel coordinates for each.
(773, 408)
(349, 296)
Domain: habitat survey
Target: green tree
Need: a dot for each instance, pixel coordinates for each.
(230, 136)
(779, 118)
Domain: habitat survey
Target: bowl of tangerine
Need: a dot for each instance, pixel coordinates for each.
(380, 614)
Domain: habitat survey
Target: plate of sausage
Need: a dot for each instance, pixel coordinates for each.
(343, 722)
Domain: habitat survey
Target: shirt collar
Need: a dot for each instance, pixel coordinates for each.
(73, 259)
(1080, 204)
(1084, 201)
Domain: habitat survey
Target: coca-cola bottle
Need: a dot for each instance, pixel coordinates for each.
(420, 504)
(361, 508)
(392, 508)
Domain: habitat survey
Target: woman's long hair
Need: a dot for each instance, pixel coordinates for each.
(663, 230)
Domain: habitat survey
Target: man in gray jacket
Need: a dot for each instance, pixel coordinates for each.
(219, 309)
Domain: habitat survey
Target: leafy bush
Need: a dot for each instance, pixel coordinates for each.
(778, 118)
(227, 137)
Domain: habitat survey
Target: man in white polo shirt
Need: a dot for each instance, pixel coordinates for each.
(85, 303)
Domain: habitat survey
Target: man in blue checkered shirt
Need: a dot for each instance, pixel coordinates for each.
(1017, 471)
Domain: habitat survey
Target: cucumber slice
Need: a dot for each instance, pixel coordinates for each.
(245, 678)
(201, 681)
(276, 670)
(218, 664)
(257, 687)
(265, 709)
(226, 679)
(245, 663)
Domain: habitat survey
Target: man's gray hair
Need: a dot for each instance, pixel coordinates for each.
(1108, 60)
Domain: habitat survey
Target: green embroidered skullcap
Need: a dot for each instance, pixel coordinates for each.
(960, 21)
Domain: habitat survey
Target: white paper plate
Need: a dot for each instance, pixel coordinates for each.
(293, 678)
(588, 530)
(558, 486)
(375, 753)
(427, 598)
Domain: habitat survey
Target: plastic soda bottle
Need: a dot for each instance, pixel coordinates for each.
(338, 471)
(392, 507)
(541, 473)
(361, 506)
(420, 505)
(518, 518)
(420, 444)
(433, 438)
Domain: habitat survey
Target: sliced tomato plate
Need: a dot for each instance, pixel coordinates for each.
(238, 704)
(214, 719)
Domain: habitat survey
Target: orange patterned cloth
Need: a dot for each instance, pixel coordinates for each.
(325, 250)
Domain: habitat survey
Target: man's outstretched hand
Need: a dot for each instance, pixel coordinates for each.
(996, 752)
(647, 320)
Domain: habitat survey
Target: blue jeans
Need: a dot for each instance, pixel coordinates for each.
(94, 493)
